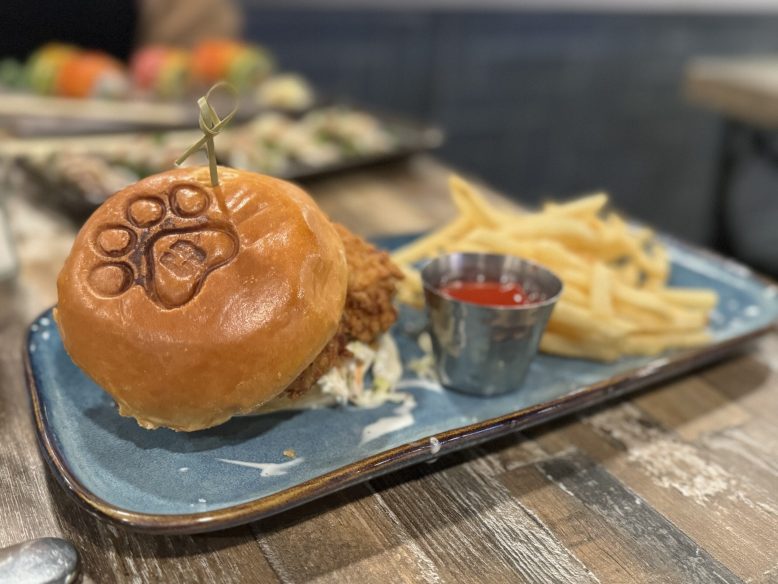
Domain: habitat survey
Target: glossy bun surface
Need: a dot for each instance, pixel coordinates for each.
(190, 304)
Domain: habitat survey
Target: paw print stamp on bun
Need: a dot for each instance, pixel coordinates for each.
(168, 243)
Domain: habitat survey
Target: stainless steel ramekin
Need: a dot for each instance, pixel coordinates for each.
(486, 350)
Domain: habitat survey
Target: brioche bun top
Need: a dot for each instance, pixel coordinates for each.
(190, 304)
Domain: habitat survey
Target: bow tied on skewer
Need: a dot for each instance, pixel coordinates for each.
(211, 125)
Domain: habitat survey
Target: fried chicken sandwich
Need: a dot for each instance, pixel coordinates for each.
(190, 304)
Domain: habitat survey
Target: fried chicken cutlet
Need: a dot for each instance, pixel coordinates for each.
(368, 313)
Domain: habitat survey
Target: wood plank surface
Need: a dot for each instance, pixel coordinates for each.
(675, 484)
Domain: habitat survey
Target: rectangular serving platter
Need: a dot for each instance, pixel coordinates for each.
(166, 482)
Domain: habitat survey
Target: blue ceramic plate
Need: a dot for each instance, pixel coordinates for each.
(171, 482)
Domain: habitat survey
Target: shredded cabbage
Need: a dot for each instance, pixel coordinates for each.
(348, 383)
(366, 380)
(424, 366)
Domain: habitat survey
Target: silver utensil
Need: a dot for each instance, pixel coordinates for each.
(48, 560)
(486, 350)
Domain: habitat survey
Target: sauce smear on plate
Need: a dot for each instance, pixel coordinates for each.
(486, 293)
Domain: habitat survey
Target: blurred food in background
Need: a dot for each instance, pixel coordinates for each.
(161, 71)
(80, 172)
(242, 65)
(275, 143)
(67, 71)
(81, 124)
(286, 92)
(154, 72)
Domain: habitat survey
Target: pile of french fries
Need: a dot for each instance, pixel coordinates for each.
(615, 300)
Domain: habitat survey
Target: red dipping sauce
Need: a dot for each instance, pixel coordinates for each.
(486, 293)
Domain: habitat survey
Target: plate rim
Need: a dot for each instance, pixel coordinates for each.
(393, 458)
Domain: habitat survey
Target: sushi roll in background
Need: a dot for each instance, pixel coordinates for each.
(66, 71)
(241, 64)
(157, 71)
(92, 74)
(161, 71)
(44, 65)
(286, 92)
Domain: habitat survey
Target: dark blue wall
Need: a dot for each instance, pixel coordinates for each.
(539, 104)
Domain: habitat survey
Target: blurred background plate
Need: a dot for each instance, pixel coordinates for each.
(37, 116)
(76, 174)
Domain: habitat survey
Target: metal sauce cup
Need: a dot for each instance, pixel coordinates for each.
(486, 350)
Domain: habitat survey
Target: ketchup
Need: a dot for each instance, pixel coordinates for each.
(486, 293)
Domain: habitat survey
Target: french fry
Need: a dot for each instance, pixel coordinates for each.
(659, 263)
(498, 242)
(588, 205)
(647, 322)
(428, 245)
(411, 291)
(570, 347)
(470, 203)
(578, 278)
(644, 299)
(601, 294)
(569, 231)
(690, 297)
(689, 319)
(644, 321)
(575, 296)
(580, 319)
(628, 273)
(615, 299)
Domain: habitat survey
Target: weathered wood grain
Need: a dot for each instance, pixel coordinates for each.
(113, 554)
(740, 380)
(735, 435)
(727, 515)
(558, 504)
(672, 556)
(611, 555)
(347, 537)
(472, 527)
(692, 408)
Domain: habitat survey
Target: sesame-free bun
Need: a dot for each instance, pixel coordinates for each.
(190, 304)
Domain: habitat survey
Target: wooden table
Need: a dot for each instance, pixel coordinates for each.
(744, 93)
(744, 88)
(676, 484)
